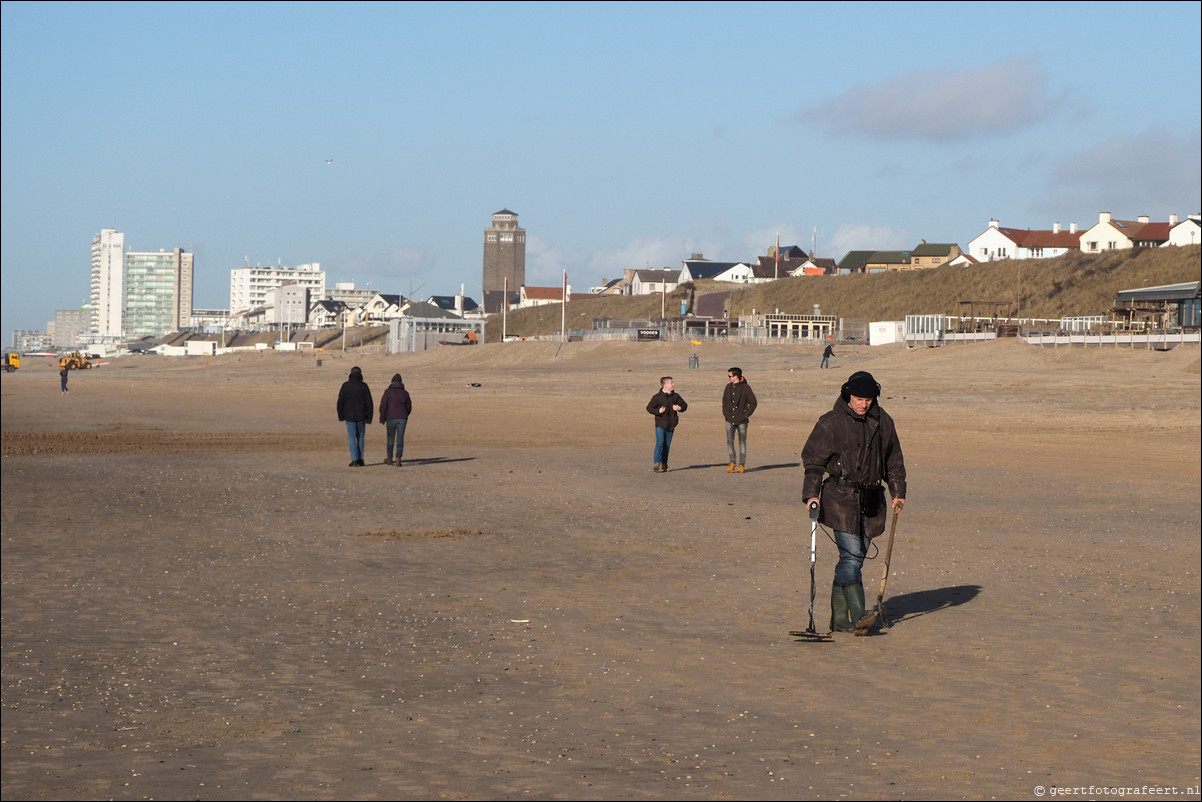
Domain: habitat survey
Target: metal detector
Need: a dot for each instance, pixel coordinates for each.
(809, 633)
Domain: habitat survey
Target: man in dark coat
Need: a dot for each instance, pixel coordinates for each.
(738, 402)
(666, 406)
(853, 451)
(395, 407)
(356, 408)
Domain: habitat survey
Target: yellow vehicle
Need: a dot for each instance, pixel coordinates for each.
(74, 361)
(11, 362)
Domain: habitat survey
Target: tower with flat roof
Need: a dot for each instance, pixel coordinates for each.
(504, 259)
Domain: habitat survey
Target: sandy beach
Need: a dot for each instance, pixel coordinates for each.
(202, 601)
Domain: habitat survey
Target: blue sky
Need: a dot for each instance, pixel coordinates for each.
(623, 134)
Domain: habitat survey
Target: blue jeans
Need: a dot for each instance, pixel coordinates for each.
(663, 442)
(741, 429)
(355, 432)
(826, 361)
(852, 549)
(396, 433)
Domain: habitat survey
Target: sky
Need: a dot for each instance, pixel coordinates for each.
(624, 135)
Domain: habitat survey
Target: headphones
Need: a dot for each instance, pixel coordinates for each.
(855, 378)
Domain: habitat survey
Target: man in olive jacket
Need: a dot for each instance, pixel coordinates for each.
(738, 402)
(851, 452)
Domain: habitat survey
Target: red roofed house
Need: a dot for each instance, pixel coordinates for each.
(1023, 243)
(1116, 235)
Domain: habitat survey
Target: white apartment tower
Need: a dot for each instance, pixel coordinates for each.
(108, 282)
(249, 285)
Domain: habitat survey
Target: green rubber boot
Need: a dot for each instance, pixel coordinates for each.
(841, 621)
(855, 606)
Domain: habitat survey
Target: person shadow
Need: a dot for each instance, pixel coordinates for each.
(909, 606)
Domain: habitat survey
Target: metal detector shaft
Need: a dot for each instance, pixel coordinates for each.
(813, 548)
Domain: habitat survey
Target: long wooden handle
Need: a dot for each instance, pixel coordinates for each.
(880, 597)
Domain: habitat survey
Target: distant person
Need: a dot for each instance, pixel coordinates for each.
(63, 373)
(395, 406)
(738, 402)
(355, 407)
(826, 356)
(850, 458)
(666, 406)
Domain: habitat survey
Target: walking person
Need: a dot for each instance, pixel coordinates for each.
(666, 406)
(826, 356)
(395, 406)
(738, 402)
(355, 407)
(63, 373)
(850, 458)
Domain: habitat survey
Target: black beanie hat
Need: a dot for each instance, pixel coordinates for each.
(862, 385)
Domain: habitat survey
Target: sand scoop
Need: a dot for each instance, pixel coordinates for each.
(810, 633)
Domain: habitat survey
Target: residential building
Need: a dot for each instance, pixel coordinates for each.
(649, 282)
(999, 242)
(698, 267)
(382, 308)
(287, 306)
(158, 292)
(326, 314)
(1110, 234)
(932, 254)
(30, 340)
(249, 285)
(781, 263)
(70, 326)
(108, 284)
(210, 320)
(1186, 232)
(854, 262)
(346, 292)
(541, 296)
(504, 259)
(460, 304)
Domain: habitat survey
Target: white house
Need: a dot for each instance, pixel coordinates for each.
(997, 242)
(328, 314)
(1186, 232)
(697, 268)
(382, 308)
(1110, 234)
(649, 282)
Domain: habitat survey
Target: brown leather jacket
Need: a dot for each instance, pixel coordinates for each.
(846, 459)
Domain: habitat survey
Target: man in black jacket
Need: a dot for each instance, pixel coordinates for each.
(356, 408)
(666, 406)
(850, 457)
(738, 402)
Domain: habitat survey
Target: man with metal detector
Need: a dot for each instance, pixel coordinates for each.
(850, 457)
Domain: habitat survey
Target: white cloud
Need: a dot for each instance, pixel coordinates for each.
(1156, 172)
(865, 237)
(939, 105)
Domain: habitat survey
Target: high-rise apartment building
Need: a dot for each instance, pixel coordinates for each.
(108, 284)
(504, 260)
(70, 326)
(158, 292)
(249, 285)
